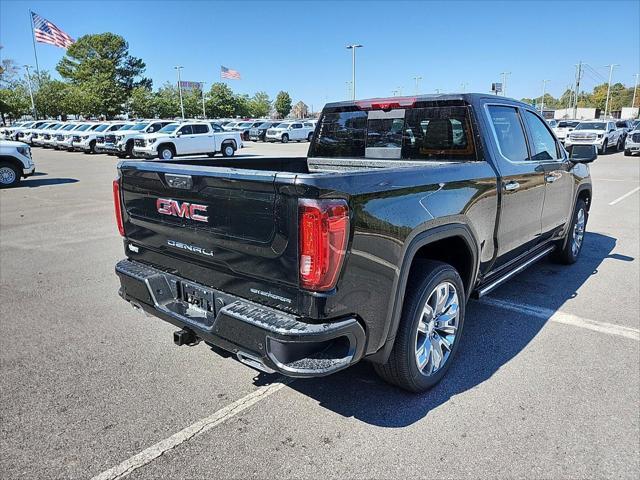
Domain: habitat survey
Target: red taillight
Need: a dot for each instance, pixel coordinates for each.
(386, 103)
(324, 232)
(117, 205)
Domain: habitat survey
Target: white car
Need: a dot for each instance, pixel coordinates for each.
(62, 137)
(101, 136)
(85, 141)
(6, 133)
(187, 138)
(564, 127)
(632, 144)
(601, 133)
(24, 134)
(49, 134)
(292, 130)
(120, 142)
(15, 163)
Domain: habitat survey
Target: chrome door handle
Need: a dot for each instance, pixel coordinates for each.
(511, 186)
(550, 178)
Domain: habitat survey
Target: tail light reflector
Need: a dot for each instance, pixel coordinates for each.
(118, 206)
(324, 233)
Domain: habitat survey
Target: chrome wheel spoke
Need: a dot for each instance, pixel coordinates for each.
(436, 353)
(442, 296)
(423, 354)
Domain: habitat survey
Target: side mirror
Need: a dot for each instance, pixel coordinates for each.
(178, 134)
(583, 153)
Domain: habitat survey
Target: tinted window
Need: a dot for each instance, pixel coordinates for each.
(591, 126)
(384, 132)
(200, 128)
(102, 128)
(297, 125)
(543, 144)
(621, 124)
(509, 133)
(154, 127)
(341, 134)
(186, 130)
(216, 127)
(169, 128)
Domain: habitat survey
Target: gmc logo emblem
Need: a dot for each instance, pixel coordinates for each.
(192, 211)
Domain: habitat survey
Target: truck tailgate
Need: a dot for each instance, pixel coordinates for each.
(230, 221)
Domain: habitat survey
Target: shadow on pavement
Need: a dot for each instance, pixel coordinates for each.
(488, 343)
(41, 182)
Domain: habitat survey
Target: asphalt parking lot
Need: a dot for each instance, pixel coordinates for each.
(546, 383)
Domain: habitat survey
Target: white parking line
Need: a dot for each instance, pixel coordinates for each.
(565, 318)
(628, 194)
(201, 426)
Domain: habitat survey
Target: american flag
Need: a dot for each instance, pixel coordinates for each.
(228, 73)
(47, 32)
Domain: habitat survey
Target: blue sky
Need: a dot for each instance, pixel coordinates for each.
(300, 46)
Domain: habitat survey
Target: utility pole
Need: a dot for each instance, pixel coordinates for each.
(606, 104)
(353, 47)
(417, 79)
(204, 112)
(635, 89)
(464, 86)
(577, 92)
(544, 91)
(33, 105)
(178, 68)
(504, 83)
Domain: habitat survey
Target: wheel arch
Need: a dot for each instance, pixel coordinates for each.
(166, 144)
(454, 244)
(13, 161)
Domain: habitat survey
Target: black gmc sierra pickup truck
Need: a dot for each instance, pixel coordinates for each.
(368, 248)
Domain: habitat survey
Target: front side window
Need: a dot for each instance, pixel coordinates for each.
(509, 132)
(543, 144)
(186, 130)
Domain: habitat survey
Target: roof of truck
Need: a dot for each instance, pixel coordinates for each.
(436, 97)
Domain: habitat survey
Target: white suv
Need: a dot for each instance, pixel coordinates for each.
(15, 163)
(295, 130)
(601, 133)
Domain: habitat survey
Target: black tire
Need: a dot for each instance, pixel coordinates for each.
(603, 150)
(620, 144)
(92, 147)
(166, 152)
(402, 368)
(627, 153)
(9, 175)
(211, 155)
(228, 150)
(285, 138)
(120, 155)
(566, 253)
(310, 137)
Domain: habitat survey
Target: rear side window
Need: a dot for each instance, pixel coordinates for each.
(509, 133)
(199, 128)
(543, 145)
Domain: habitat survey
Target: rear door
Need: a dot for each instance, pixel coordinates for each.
(523, 184)
(224, 226)
(203, 139)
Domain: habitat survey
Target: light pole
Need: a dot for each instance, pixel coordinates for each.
(606, 104)
(178, 68)
(348, 85)
(353, 47)
(544, 91)
(504, 83)
(635, 89)
(417, 79)
(204, 112)
(464, 86)
(33, 105)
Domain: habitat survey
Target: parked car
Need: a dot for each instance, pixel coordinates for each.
(15, 163)
(36, 134)
(564, 127)
(369, 248)
(552, 122)
(230, 126)
(287, 131)
(6, 131)
(187, 138)
(245, 127)
(120, 142)
(23, 133)
(626, 126)
(600, 133)
(49, 135)
(632, 143)
(62, 138)
(258, 132)
(85, 140)
(100, 137)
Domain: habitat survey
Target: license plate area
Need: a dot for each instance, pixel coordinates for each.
(199, 301)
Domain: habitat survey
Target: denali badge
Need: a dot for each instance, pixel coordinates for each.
(167, 206)
(190, 248)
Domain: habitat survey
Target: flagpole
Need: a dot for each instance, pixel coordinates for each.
(33, 38)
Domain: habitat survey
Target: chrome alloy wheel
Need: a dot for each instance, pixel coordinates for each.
(578, 233)
(437, 328)
(7, 176)
(167, 154)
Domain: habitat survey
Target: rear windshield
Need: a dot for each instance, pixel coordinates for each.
(428, 133)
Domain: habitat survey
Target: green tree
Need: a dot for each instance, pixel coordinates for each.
(167, 101)
(260, 105)
(101, 64)
(142, 103)
(283, 104)
(14, 102)
(243, 106)
(220, 101)
(52, 98)
(192, 101)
